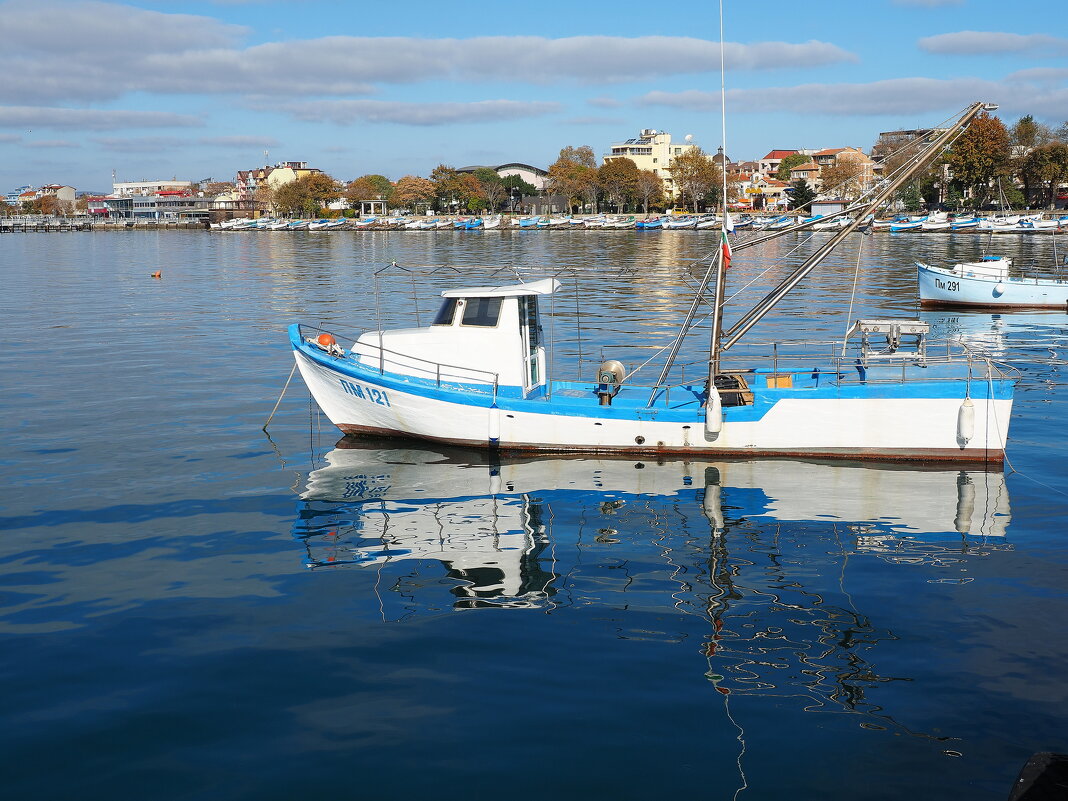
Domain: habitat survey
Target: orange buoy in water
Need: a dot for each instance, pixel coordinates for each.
(326, 340)
(157, 274)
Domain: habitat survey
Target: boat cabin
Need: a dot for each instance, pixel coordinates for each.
(480, 335)
(995, 267)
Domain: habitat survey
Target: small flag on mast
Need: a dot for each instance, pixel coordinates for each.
(728, 225)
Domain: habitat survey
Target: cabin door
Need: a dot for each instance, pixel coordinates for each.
(530, 330)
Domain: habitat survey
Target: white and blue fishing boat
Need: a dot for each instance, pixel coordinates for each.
(989, 284)
(479, 376)
(963, 224)
(912, 224)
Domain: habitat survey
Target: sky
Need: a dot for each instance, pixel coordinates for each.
(146, 89)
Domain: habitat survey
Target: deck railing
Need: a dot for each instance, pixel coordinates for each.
(444, 375)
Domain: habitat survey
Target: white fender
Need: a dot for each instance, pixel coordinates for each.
(965, 422)
(713, 414)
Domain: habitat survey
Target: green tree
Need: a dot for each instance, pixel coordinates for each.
(801, 195)
(910, 197)
(981, 155)
(788, 163)
(697, 177)
(517, 188)
(619, 181)
(492, 187)
(1026, 134)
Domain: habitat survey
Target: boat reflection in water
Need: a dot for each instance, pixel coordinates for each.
(767, 565)
(517, 532)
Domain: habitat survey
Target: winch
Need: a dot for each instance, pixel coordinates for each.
(609, 380)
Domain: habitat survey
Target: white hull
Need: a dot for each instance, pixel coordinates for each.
(885, 428)
(942, 287)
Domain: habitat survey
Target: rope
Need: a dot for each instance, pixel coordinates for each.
(279, 402)
(852, 296)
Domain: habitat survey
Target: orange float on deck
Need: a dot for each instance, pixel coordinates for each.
(326, 340)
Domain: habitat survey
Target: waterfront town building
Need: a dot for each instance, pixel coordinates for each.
(652, 150)
(174, 205)
(145, 188)
(769, 165)
(248, 181)
(535, 176)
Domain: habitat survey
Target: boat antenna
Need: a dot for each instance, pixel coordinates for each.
(725, 225)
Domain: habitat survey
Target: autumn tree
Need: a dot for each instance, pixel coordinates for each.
(369, 187)
(734, 187)
(457, 190)
(844, 176)
(696, 176)
(1047, 167)
(263, 197)
(649, 190)
(412, 191)
(618, 179)
(216, 188)
(981, 154)
(307, 195)
(48, 205)
(574, 175)
(894, 150)
(788, 163)
(6, 209)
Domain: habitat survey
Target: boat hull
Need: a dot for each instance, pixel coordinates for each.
(858, 422)
(941, 288)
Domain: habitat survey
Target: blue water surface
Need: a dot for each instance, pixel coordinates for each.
(191, 610)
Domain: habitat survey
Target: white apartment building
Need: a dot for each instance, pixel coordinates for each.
(652, 150)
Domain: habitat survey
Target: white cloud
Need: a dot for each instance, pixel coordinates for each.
(52, 143)
(238, 141)
(344, 112)
(140, 144)
(595, 121)
(897, 97)
(985, 43)
(121, 49)
(10, 138)
(928, 3)
(91, 119)
(604, 102)
(1043, 75)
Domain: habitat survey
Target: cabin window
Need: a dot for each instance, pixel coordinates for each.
(482, 312)
(446, 312)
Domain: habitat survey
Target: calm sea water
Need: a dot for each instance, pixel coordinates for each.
(190, 610)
